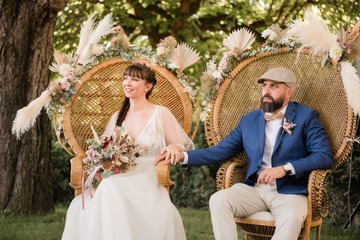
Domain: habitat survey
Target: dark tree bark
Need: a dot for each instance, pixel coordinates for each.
(26, 38)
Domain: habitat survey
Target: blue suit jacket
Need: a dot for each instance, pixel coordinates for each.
(307, 148)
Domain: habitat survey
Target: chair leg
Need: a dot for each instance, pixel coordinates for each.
(318, 232)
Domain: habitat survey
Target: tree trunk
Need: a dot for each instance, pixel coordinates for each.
(26, 38)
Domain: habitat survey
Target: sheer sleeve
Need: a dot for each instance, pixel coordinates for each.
(110, 127)
(173, 132)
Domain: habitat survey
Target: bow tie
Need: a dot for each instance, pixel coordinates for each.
(270, 117)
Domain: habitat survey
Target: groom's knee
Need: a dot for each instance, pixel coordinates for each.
(218, 201)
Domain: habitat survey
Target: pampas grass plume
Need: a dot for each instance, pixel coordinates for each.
(26, 117)
(314, 34)
(351, 83)
(104, 27)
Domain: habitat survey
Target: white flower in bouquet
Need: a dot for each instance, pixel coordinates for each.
(65, 69)
(173, 65)
(268, 33)
(211, 65)
(123, 159)
(335, 53)
(216, 74)
(161, 51)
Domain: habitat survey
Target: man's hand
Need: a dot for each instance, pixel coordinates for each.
(270, 174)
(171, 154)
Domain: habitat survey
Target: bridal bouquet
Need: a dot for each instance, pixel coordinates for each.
(107, 156)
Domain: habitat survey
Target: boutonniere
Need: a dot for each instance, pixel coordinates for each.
(288, 126)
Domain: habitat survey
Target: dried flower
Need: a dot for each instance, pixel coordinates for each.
(96, 49)
(107, 156)
(335, 53)
(168, 42)
(269, 33)
(65, 69)
(287, 126)
(161, 51)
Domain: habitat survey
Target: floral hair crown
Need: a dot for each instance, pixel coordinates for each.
(69, 67)
(311, 33)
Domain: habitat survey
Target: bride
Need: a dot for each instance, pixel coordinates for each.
(132, 205)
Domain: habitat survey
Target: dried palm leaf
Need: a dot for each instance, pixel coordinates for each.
(239, 40)
(184, 56)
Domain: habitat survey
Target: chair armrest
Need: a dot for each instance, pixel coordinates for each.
(76, 173)
(231, 172)
(318, 203)
(317, 197)
(163, 174)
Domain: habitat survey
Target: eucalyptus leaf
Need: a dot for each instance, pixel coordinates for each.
(106, 174)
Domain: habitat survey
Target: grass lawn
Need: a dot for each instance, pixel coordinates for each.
(197, 226)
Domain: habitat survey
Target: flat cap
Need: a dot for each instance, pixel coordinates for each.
(282, 75)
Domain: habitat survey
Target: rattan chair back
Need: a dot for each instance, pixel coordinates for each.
(320, 88)
(99, 94)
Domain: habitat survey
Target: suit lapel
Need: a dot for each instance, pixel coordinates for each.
(289, 115)
(261, 124)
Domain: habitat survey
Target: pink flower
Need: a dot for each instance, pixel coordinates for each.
(65, 85)
(116, 170)
(98, 177)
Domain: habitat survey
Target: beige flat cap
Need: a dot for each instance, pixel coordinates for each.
(282, 75)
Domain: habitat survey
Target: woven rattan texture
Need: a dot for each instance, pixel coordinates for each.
(318, 87)
(101, 95)
(267, 232)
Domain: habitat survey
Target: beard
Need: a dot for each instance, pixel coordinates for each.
(273, 105)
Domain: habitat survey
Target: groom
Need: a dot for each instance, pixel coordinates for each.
(284, 141)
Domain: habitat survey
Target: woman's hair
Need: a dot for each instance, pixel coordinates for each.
(140, 71)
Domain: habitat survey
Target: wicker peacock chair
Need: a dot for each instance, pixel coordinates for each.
(320, 88)
(99, 94)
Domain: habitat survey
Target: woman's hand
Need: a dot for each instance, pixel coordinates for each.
(173, 154)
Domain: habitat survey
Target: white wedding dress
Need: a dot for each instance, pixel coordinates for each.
(132, 205)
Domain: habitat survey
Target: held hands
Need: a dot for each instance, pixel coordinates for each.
(171, 154)
(270, 174)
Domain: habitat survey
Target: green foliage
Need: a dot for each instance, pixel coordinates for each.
(201, 23)
(343, 188)
(63, 193)
(194, 186)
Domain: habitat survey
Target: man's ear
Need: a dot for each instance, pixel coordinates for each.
(289, 93)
